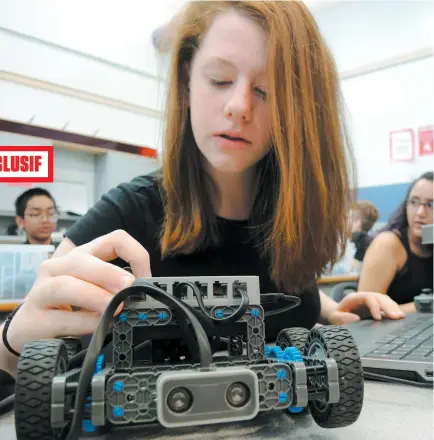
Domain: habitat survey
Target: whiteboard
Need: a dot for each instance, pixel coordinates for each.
(69, 196)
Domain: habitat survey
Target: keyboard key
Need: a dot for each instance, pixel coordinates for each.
(412, 357)
(395, 356)
(412, 343)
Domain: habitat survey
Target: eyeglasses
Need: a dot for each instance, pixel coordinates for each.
(39, 216)
(416, 204)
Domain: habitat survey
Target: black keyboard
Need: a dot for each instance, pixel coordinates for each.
(413, 343)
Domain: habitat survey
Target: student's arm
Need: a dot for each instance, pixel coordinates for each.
(7, 360)
(383, 259)
(79, 274)
(346, 311)
(82, 278)
(328, 307)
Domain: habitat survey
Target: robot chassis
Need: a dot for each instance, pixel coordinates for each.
(317, 371)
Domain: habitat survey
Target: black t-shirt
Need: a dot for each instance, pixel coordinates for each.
(414, 276)
(137, 208)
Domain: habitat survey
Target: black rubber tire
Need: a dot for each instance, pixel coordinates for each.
(293, 337)
(338, 343)
(73, 346)
(39, 362)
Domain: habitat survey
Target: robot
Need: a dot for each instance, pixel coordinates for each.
(163, 370)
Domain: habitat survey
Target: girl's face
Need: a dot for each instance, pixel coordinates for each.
(228, 95)
(419, 206)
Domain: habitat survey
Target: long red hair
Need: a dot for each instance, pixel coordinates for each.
(299, 217)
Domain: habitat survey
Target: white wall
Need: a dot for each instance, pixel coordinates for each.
(397, 98)
(381, 51)
(361, 33)
(114, 168)
(47, 109)
(88, 67)
(118, 32)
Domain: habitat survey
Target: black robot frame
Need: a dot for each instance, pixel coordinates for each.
(156, 374)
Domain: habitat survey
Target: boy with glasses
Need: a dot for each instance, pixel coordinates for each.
(36, 214)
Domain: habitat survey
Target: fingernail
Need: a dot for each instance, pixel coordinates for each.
(119, 309)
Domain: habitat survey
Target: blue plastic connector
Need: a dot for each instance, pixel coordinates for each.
(88, 426)
(283, 397)
(99, 363)
(118, 386)
(281, 374)
(162, 316)
(293, 354)
(219, 314)
(295, 409)
(118, 411)
(123, 317)
(254, 313)
(143, 316)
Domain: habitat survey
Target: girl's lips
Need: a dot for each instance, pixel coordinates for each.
(232, 144)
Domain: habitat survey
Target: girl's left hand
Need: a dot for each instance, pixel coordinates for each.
(352, 306)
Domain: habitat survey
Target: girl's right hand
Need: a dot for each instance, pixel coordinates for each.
(82, 278)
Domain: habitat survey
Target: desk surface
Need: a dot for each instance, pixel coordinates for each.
(335, 279)
(390, 412)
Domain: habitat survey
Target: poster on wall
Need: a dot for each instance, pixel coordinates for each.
(426, 141)
(401, 145)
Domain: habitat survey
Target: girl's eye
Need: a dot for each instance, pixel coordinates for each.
(216, 82)
(261, 93)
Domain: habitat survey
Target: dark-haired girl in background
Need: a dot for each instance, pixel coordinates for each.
(397, 263)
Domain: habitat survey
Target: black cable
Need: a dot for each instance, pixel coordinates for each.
(274, 298)
(139, 286)
(232, 318)
(5, 331)
(6, 404)
(141, 345)
(187, 332)
(76, 360)
(384, 378)
(267, 298)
